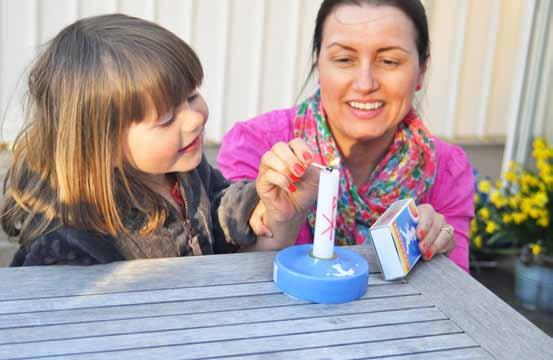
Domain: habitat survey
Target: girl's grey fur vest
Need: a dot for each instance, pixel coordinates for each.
(216, 221)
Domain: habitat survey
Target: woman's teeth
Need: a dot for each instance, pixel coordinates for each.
(366, 106)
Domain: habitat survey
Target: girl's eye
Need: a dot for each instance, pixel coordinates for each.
(192, 97)
(167, 119)
(168, 122)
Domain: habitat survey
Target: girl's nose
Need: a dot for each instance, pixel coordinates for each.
(193, 120)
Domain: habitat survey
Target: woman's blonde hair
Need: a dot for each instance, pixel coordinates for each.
(91, 82)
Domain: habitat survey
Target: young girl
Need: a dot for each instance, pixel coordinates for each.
(110, 166)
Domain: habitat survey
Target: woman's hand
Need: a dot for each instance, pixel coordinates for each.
(287, 188)
(286, 184)
(435, 235)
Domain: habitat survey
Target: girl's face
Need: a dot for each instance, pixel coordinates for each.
(368, 70)
(172, 142)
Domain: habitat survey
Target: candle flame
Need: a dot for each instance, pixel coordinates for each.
(334, 163)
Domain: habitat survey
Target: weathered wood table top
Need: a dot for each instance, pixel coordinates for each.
(226, 306)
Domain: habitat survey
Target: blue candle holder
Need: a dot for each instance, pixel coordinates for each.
(340, 279)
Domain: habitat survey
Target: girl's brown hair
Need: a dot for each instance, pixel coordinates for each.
(91, 82)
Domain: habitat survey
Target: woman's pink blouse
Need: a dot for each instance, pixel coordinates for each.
(451, 194)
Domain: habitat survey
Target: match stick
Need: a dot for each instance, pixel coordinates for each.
(322, 167)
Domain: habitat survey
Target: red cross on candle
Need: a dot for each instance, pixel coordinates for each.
(331, 223)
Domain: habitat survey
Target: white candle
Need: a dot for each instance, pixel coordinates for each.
(325, 220)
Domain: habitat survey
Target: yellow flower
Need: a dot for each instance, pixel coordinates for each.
(519, 218)
(473, 226)
(539, 143)
(498, 200)
(536, 249)
(491, 227)
(514, 201)
(544, 167)
(525, 206)
(507, 218)
(484, 186)
(484, 213)
(476, 199)
(534, 213)
(543, 221)
(540, 199)
(478, 242)
(540, 154)
(510, 176)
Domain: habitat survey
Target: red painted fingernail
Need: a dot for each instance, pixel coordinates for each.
(428, 254)
(307, 156)
(298, 169)
(292, 188)
(294, 178)
(422, 233)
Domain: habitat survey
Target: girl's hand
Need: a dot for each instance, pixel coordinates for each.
(257, 221)
(286, 184)
(435, 235)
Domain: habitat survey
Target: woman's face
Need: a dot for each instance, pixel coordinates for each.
(168, 143)
(368, 71)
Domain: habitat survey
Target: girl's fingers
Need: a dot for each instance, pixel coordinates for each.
(257, 223)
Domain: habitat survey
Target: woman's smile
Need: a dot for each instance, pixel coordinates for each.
(366, 109)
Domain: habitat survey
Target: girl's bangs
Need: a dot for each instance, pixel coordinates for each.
(164, 81)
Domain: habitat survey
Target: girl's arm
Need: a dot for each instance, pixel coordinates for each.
(231, 207)
(66, 246)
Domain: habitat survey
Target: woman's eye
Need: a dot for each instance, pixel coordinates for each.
(343, 60)
(389, 62)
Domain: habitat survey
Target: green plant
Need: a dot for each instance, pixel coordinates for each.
(517, 210)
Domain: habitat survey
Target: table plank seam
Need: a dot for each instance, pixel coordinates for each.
(230, 324)
(205, 312)
(254, 337)
(421, 352)
(137, 291)
(247, 308)
(386, 283)
(188, 300)
(468, 334)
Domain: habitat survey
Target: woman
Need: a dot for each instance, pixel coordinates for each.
(371, 57)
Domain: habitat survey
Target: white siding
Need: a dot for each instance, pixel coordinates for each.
(256, 55)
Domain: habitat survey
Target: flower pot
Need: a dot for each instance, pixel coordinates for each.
(534, 286)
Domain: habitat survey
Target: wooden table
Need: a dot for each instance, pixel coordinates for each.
(226, 306)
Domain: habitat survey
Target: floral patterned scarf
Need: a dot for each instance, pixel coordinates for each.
(407, 170)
